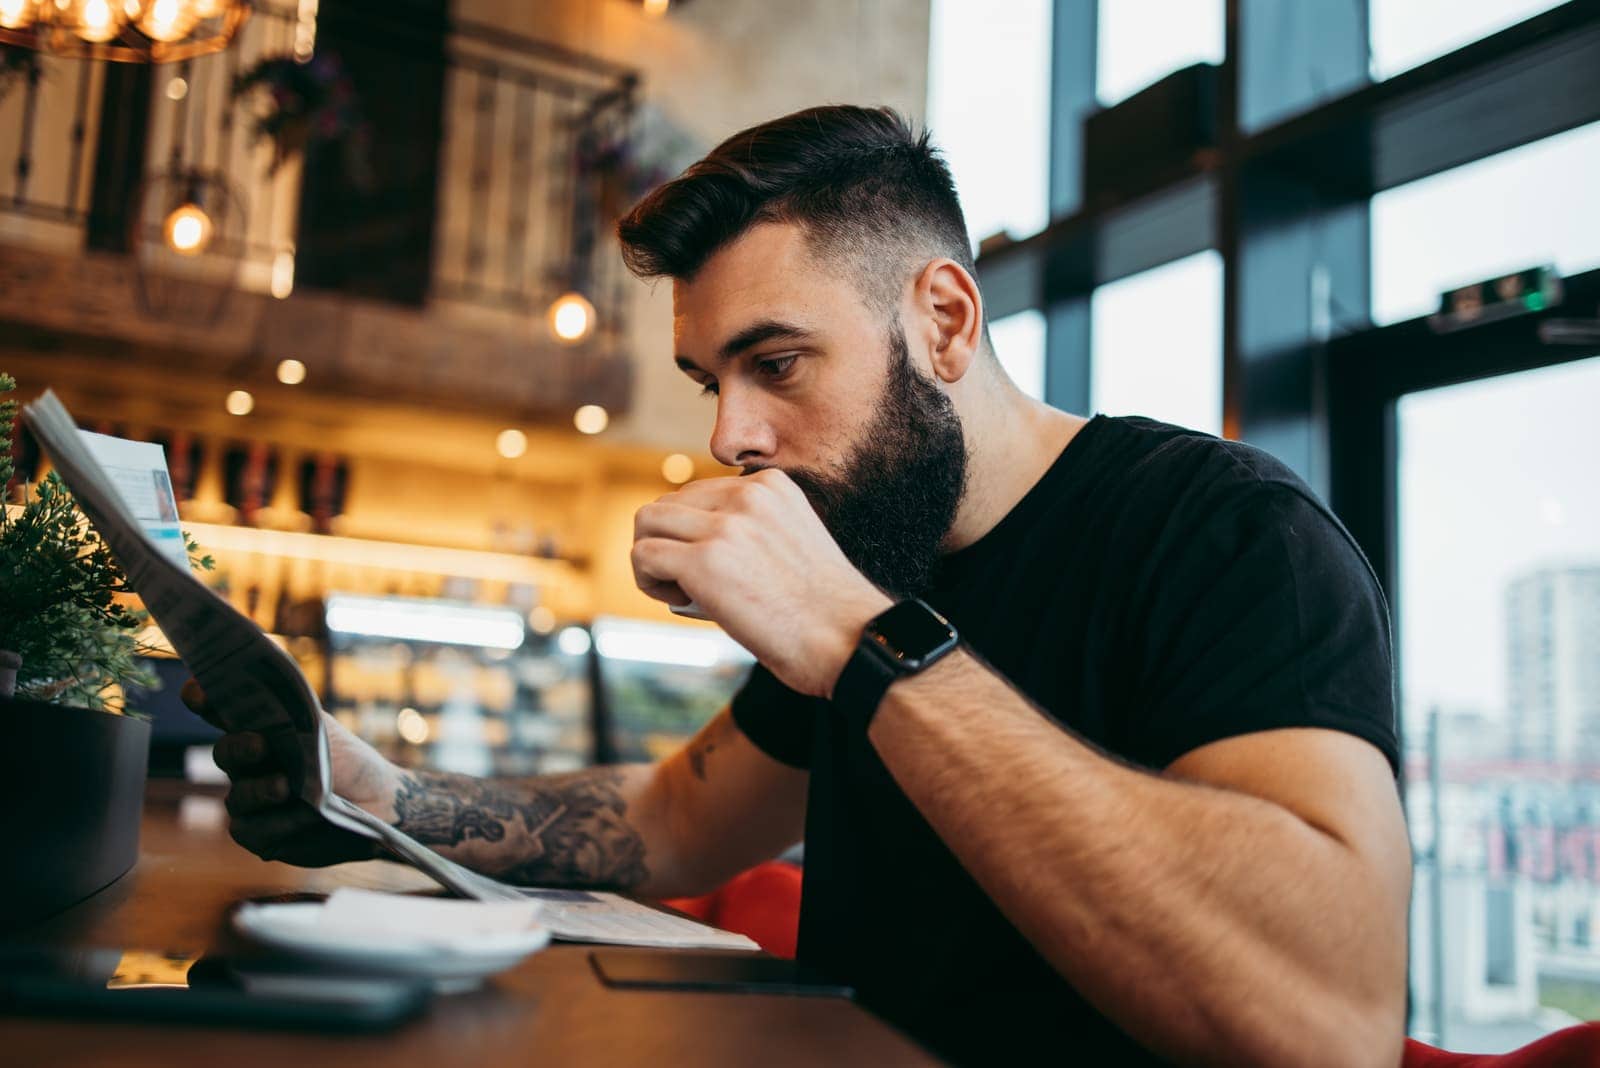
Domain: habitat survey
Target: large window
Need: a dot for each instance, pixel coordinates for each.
(1529, 206)
(1157, 344)
(1019, 343)
(1499, 634)
(989, 109)
(1408, 33)
(1142, 41)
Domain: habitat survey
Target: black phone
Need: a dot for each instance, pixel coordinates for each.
(169, 987)
(734, 973)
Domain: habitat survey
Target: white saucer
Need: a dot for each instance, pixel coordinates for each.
(456, 963)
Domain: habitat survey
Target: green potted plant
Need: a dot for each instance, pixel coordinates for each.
(68, 647)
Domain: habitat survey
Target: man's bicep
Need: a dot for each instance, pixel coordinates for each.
(1334, 782)
(732, 805)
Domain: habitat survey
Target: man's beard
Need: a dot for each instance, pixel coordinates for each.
(893, 503)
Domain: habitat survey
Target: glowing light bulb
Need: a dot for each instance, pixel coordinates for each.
(167, 20)
(177, 89)
(291, 372)
(17, 14)
(412, 726)
(187, 230)
(282, 282)
(590, 419)
(656, 8)
(511, 443)
(542, 620)
(95, 20)
(571, 318)
(677, 469)
(240, 402)
(208, 9)
(574, 641)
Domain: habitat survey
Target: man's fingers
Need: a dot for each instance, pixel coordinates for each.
(658, 565)
(670, 519)
(266, 833)
(250, 796)
(195, 698)
(242, 752)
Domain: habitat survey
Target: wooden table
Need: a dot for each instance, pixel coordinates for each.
(550, 1010)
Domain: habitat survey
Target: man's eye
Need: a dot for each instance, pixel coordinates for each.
(776, 367)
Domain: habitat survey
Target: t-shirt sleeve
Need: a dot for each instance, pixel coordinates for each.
(1262, 615)
(777, 719)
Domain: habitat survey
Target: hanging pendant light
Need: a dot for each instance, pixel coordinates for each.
(188, 244)
(128, 31)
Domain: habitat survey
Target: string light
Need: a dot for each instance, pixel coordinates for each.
(590, 419)
(571, 318)
(240, 402)
(187, 230)
(282, 282)
(511, 443)
(291, 372)
(677, 469)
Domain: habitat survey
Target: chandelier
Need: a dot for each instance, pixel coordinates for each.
(128, 31)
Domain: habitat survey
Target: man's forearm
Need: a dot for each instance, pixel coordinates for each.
(578, 829)
(1214, 925)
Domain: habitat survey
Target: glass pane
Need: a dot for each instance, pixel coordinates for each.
(1141, 41)
(989, 109)
(1522, 208)
(1019, 344)
(1408, 33)
(1499, 637)
(1157, 344)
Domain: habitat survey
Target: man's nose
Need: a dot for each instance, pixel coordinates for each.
(742, 437)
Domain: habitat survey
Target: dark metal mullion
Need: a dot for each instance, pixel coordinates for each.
(1074, 63)
(1228, 224)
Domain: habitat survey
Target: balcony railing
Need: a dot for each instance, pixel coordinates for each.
(519, 214)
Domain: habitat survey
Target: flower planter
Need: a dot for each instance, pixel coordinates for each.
(72, 785)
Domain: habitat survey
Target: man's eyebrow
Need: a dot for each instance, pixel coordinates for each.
(755, 334)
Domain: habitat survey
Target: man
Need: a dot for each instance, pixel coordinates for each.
(1139, 805)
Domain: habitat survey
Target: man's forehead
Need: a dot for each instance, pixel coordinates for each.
(769, 272)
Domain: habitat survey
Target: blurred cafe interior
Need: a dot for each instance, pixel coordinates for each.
(354, 266)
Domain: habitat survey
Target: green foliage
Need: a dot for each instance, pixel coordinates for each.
(58, 593)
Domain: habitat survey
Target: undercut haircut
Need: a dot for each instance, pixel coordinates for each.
(868, 189)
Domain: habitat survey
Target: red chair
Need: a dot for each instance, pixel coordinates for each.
(762, 903)
(1571, 1047)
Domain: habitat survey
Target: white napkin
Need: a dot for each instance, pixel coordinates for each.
(353, 913)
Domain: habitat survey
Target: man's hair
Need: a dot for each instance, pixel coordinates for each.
(867, 188)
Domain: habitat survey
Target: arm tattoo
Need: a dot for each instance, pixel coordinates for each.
(556, 830)
(698, 751)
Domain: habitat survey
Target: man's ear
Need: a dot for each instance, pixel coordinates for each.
(950, 307)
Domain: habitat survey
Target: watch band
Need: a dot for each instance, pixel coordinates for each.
(866, 677)
(900, 641)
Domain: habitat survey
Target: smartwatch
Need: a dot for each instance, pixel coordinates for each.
(901, 641)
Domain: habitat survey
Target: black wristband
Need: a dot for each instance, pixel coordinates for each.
(900, 641)
(863, 682)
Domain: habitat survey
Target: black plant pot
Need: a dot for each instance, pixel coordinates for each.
(72, 786)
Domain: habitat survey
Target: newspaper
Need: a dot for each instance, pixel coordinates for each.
(124, 489)
(252, 682)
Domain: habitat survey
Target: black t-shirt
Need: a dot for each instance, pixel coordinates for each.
(1156, 590)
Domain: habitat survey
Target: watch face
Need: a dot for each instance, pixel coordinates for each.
(910, 632)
